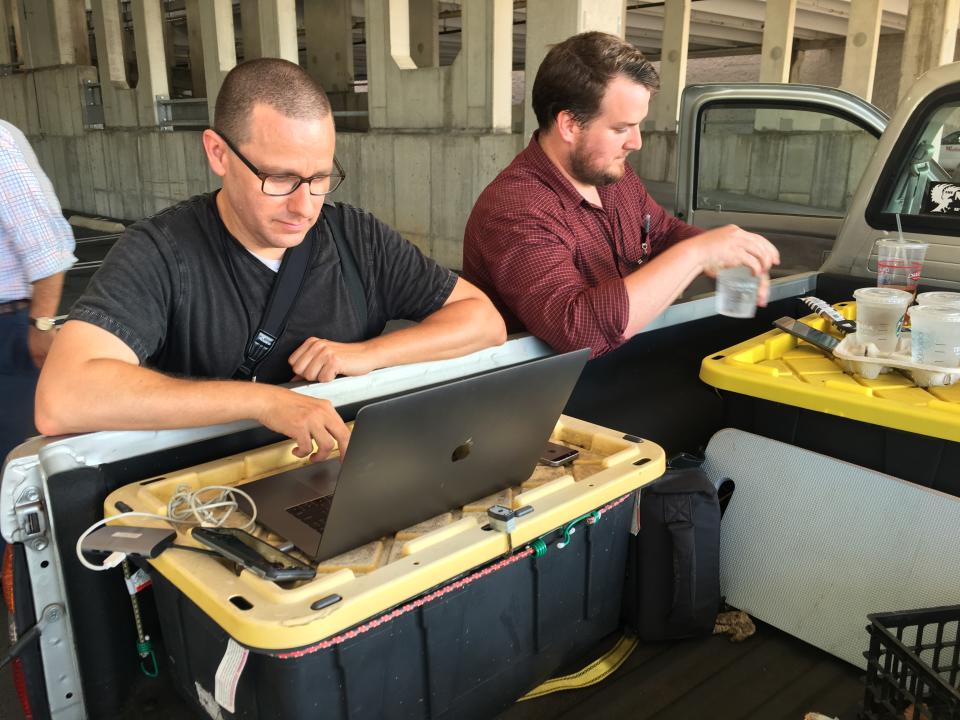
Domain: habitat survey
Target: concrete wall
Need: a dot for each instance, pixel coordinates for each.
(422, 183)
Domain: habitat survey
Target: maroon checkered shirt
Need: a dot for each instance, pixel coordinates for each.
(554, 263)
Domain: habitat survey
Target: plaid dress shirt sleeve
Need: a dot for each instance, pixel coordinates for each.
(35, 239)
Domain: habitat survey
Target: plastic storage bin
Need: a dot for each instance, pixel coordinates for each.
(913, 665)
(448, 619)
(776, 386)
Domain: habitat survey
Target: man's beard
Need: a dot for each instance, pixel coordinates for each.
(584, 172)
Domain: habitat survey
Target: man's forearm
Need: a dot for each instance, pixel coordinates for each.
(657, 284)
(46, 296)
(456, 329)
(115, 395)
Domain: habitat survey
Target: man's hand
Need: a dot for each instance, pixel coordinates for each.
(323, 360)
(731, 246)
(38, 343)
(306, 420)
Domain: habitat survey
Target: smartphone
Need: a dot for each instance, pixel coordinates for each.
(556, 455)
(818, 339)
(252, 553)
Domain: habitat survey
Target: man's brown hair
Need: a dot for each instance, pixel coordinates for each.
(575, 73)
(283, 85)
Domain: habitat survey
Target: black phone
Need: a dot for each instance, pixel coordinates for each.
(818, 339)
(556, 455)
(252, 553)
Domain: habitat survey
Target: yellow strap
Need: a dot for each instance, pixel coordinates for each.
(593, 673)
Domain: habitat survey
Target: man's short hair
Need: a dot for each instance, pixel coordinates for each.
(575, 73)
(283, 85)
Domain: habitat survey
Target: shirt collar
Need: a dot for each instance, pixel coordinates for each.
(569, 196)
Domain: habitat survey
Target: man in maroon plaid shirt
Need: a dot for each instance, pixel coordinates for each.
(566, 240)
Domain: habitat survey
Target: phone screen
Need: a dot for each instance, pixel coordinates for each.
(803, 331)
(252, 553)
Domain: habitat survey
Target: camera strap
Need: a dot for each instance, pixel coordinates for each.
(287, 286)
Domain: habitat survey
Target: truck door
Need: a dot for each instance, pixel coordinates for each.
(913, 179)
(781, 160)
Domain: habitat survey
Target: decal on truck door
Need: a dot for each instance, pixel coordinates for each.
(941, 198)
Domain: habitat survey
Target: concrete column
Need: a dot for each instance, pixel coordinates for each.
(665, 109)
(328, 27)
(930, 39)
(270, 29)
(151, 58)
(551, 21)
(197, 80)
(6, 22)
(119, 100)
(219, 52)
(777, 41)
(16, 17)
(70, 27)
(424, 26)
(860, 53)
(483, 69)
(36, 27)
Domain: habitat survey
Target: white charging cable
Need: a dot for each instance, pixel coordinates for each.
(184, 508)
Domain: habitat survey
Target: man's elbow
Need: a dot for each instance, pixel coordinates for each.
(48, 411)
(495, 330)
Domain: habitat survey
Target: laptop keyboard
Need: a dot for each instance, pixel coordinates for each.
(313, 512)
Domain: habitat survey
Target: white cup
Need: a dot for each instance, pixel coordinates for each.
(880, 316)
(737, 292)
(940, 298)
(935, 335)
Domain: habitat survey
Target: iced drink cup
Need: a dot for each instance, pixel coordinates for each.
(941, 298)
(880, 315)
(935, 339)
(899, 263)
(737, 292)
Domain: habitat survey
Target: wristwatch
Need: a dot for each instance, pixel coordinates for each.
(43, 324)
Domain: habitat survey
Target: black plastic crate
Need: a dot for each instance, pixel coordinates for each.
(913, 665)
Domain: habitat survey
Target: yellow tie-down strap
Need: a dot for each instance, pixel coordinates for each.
(779, 367)
(383, 574)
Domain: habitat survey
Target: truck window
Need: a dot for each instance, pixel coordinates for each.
(778, 160)
(927, 185)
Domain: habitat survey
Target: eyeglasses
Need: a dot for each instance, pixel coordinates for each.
(278, 185)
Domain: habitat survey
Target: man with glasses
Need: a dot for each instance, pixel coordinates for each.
(183, 293)
(567, 241)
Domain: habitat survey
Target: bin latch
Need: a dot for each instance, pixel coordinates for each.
(504, 519)
(31, 516)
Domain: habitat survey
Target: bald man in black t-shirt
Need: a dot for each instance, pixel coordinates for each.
(162, 328)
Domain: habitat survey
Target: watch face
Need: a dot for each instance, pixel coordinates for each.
(43, 323)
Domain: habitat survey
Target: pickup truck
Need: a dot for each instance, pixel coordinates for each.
(819, 171)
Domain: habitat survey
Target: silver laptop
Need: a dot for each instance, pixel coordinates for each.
(419, 455)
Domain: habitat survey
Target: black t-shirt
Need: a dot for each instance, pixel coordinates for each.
(186, 296)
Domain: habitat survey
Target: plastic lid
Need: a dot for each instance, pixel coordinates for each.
(883, 296)
(942, 297)
(936, 313)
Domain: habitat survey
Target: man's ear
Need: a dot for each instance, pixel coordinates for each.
(216, 150)
(568, 128)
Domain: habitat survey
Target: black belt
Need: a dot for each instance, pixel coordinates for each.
(13, 306)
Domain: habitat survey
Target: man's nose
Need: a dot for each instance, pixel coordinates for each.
(634, 141)
(301, 202)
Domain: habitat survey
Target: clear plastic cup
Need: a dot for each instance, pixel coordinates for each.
(941, 298)
(935, 336)
(880, 316)
(899, 263)
(737, 292)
